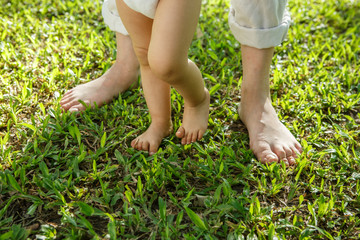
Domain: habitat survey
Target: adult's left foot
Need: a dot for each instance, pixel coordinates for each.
(270, 140)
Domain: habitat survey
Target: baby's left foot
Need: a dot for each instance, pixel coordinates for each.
(151, 139)
(195, 121)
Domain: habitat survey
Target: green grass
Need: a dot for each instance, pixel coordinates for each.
(75, 177)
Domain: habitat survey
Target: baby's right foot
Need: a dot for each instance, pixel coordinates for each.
(195, 121)
(151, 139)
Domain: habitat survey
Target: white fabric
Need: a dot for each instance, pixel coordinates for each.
(146, 7)
(259, 23)
(112, 18)
(256, 23)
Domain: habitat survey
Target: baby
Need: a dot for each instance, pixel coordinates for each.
(161, 32)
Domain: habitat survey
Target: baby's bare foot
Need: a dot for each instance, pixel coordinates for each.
(195, 121)
(101, 90)
(270, 140)
(151, 139)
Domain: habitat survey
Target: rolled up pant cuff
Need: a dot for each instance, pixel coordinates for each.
(257, 37)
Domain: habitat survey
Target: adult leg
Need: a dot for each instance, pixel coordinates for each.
(259, 25)
(156, 91)
(270, 140)
(117, 79)
(174, 26)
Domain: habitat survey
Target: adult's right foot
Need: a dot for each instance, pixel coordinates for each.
(101, 90)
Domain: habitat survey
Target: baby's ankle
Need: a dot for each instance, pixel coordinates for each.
(161, 123)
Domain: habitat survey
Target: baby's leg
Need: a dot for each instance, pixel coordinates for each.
(157, 92)
(117, 79)
(173, 29)
(157, 95)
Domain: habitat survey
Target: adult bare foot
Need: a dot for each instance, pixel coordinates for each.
(101, 90)
(270, 140)
(195, 121)
(117, 79)
(151, 139)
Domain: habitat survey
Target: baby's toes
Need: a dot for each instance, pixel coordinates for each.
(139, 145)
(184, 139)
(188, 139)
(180, 133)
(153, 147)
(145, 146)
(194, 137)
(134, 142)
(200, 134)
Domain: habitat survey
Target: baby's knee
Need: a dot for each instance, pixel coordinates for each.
(142, 55)
(168, 70)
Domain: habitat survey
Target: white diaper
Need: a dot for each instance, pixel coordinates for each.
(145, 7)
(256, 23)
(112, 18)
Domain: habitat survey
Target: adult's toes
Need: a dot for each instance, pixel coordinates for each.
(267, 156)
(286, 161)
(66, 106)
(295, 152)
(288, 151)
(74, 109)
(279, 151)
(291, 160)
(70, 92)
(67, 96)
(65, 100)
(298, 147)
(77, 108)
(180, 133)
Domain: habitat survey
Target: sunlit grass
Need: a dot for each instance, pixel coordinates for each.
(75, 176)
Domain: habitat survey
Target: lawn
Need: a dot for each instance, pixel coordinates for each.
(68, 176)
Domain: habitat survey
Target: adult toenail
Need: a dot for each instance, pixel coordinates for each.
(285, 160)
(271, 158)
